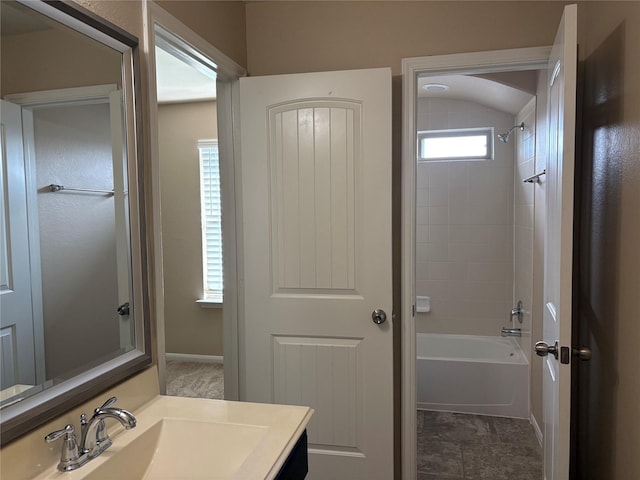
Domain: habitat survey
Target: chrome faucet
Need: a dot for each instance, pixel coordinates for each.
(511, 332)
(94, 436)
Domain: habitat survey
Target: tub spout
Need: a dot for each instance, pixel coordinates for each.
(511, 332)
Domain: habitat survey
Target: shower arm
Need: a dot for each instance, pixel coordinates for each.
(504, 137)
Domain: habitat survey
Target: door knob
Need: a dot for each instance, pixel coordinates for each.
(123, 309)
(542, 349)
(583, 353)
(379, 316)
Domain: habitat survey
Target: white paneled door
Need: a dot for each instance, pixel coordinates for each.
(558, 264)
(316, 261)
(18, 363)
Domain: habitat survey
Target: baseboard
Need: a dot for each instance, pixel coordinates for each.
(536, 429)
(189, 357)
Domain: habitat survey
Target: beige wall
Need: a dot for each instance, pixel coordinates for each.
(188, 327)
(220, 23)
(53, 59)
(123, 13)
(285, 37)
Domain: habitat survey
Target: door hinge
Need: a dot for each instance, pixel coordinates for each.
(413, 310)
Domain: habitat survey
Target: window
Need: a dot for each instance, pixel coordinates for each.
(211, 215)
(452, 145)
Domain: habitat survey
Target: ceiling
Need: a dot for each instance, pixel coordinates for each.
(479, 90)
(178, 81)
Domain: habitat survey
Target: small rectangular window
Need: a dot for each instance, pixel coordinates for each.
(211, 213)
(455, 145)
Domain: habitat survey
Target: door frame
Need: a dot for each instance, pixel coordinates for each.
(185, 41)
(533, 58)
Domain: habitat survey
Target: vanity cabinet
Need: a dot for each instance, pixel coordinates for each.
(296, 465)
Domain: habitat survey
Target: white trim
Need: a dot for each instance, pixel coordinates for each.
(29, 147)
(477, 62)
(198, 47)
(208, 303)
(232, 313)
(96, 93)
(536, 430)
(148, 48)
(191, 357)
(186, 41)
(514, 59)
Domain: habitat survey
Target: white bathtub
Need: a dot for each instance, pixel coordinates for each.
(472, 374)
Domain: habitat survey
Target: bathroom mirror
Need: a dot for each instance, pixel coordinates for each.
(74, 308)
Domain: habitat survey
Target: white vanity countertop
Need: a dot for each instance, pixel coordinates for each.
(208, 431)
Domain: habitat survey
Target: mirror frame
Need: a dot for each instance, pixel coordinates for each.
(31, 412)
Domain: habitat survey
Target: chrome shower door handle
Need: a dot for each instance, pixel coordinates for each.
(378, 316)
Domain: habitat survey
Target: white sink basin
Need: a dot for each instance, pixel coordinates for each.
(197, 439)
(186, 449)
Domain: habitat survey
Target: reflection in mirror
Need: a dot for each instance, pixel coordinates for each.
(68, 302)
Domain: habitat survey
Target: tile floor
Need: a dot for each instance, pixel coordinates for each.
(456, 446)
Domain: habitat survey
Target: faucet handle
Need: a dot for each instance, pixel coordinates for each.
(69, 455)
(66, 431)
(109, 402)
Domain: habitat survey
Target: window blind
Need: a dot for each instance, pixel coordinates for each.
(211, 214)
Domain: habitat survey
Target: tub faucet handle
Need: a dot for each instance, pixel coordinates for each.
(518, 311)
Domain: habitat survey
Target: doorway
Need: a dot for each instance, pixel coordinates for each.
(431, 266)
(193, 151)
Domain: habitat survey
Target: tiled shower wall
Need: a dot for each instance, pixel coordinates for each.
(464, 237)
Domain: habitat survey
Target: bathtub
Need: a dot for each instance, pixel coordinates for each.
(472, 374)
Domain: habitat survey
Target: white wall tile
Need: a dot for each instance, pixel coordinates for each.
(466, 264)
(438, 196)
(421, 254)
(437, 252)
(422, 233)
(422, 215)
(422, 197)
(437, 271)
(439, 234)
(438, 216)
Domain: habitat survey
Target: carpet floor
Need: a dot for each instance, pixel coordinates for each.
(195, 379)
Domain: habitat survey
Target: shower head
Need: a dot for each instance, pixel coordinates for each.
(504, 137)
